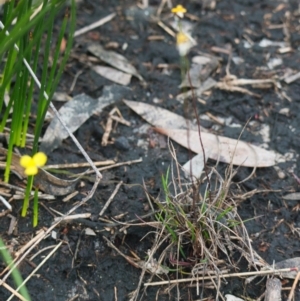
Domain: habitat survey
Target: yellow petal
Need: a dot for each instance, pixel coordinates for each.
(31, 171)
(40, 159)
(26, 161)
(178, 9)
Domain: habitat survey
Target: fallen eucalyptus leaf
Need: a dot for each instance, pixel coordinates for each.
(75, 112)
(208, 84)
(289, 263)
(292, 196)
(90, 232)
(222, 149)
(201, 69)
(61, 96)
(114, 59)
(232, 298)
(113, 75)
(273, 290)
(53, 185)
(153, 115)
(194, 167)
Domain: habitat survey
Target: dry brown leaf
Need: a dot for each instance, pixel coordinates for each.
(292, 196)
(74, 113)
(293, 263)
(160, 117)
(201, 69)
(114, 75)
(232, 298)
(273, 290)
(114, 59)
(222, 149)
(194, 167)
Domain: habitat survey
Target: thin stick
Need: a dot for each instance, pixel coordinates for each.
(291, 294)
(37, 268)
(116, 293)
(5, 203)
(78, 165)
(221, 276)
(75, 216)
(94, 25)
(121, 163)
(41, 251)
(166, 28)
(113, 166)
(32, 241)
(70, 196)
(128, 258)
(111, 198)
(14, 292)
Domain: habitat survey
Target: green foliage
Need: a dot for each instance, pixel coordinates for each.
(27, 38)
(14, 271)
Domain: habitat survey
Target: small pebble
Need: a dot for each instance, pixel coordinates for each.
(122, 143)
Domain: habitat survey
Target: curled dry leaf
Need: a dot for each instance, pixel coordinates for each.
(222, 149)
(44, 180)
(53, 185)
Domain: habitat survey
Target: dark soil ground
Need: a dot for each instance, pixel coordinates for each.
(99, 273)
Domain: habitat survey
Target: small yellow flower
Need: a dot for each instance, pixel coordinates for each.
(31, 164)
(179, 11)
(184, 43)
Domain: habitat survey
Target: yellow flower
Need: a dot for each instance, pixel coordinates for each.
(184, 43)
(179, 11)
(31, 164)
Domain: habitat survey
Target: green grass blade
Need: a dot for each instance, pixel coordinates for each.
(15, 272)
(35, 208)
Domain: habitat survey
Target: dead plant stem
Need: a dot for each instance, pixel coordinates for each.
(258, 273)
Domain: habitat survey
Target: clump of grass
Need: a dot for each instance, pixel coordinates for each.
(204, 230)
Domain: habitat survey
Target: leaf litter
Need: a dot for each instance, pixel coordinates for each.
(233, 83)
(219, 148)
(75, 112)
(115, 60)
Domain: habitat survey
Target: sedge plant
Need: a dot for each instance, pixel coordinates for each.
(201, 220)
(27, 36)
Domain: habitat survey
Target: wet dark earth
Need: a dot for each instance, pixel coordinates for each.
(85, 267)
